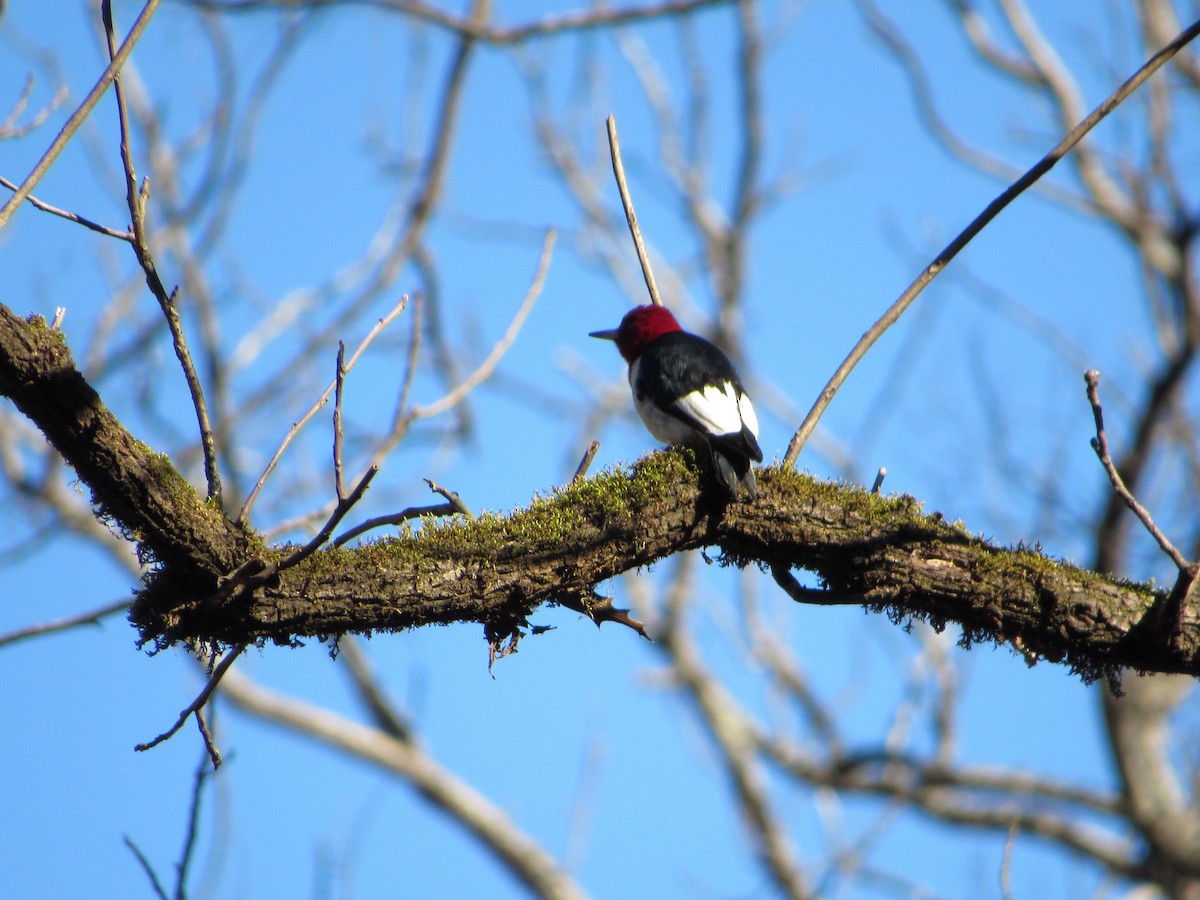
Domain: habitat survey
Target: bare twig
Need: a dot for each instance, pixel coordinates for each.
(84, 109)
(344, 505)
(411, 512)
(209, 744)
(586, 462)
(387, 718)
(337, 421)
(614, 147)
(773, 653)
(731, 732)
(490, 825)
(879, 476)
(1044, 165)
(485, 368)
(136, 200)
(193, 826)
(454, 505)
(959, 796)
(1100, 445)
(481, 30)
(201, 698)
(155, 884)
(452, 498)
(10, 129)
(1006, 864)
(70, 216)
(321, 401)
(92, 617)
(414, 353)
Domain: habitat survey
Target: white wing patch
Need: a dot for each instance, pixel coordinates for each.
(749, 418)
(718, 409)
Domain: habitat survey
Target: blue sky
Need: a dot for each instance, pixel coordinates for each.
(575, 728)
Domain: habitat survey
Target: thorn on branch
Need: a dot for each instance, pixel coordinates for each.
(600, 610)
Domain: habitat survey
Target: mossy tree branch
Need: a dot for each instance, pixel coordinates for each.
(498, 570)
(885, 551)
(133, 487)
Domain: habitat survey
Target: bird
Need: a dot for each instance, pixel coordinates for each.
(687, 392)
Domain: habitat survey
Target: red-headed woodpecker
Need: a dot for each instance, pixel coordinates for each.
(687, 392)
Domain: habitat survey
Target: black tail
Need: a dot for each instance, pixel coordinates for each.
(733, 469)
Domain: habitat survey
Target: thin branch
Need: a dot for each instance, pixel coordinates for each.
(635, 232)
(136, 200)
(411, 512)
(454, 505)
(201, 698)
(209, 744)
(600, 610)
(193, 826)
(452, 498)
(1044, 165)
(339, 381)
(954, 796)
(9, 128)
(146, 867)
(414, 353)
(56, 625)
(771, 651)
(70, 216)
(84, 109)
(483, 31)
(339, 512)
(321, 401)
(732, 735)
(1100, 445)
(462, 804)
(879, 476)
(485, 368)
(926, 105)
(586, 462)
(1006, 864)
(387, 718)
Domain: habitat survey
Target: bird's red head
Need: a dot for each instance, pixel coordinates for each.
(641, 326)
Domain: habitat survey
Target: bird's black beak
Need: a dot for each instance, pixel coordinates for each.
(609, 335)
